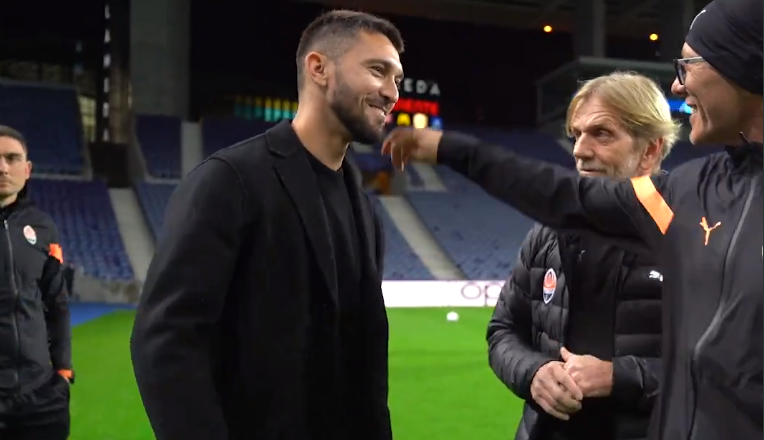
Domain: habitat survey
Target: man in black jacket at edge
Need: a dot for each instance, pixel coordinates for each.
(262, 314)
(579, 317)
(35, 328)
(702, 222)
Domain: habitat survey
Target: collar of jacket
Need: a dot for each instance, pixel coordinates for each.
(18, 205)
(749, 153)
(287, 143)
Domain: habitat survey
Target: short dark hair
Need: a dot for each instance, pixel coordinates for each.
(332, 31)
(9, 132)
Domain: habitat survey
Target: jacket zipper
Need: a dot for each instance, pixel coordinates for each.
(15, 302)
(719, 311)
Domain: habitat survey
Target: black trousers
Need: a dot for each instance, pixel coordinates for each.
(42, 414)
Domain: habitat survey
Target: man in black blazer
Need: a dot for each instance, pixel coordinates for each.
(262, 314)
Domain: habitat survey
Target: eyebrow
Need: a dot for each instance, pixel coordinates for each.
(598, 125)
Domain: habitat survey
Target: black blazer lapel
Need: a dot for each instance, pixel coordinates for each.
(362, 211)
(294, 171)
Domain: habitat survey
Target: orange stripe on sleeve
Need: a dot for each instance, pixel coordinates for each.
(653, 201)
(56, 252)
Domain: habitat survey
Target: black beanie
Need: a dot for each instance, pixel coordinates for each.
(728, 35)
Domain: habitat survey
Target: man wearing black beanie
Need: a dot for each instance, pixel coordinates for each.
(702, 222)
(720, 74)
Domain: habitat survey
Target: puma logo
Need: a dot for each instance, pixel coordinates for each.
(704, 225)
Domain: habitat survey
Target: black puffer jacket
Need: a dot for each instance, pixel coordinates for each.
(529, 325)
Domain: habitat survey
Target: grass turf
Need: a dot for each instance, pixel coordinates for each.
(440, 383)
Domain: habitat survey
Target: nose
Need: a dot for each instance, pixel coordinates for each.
(581, 149)
(677, 88)
(389, 91)
(4, 166)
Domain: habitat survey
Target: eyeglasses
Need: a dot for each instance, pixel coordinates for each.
(680, 66)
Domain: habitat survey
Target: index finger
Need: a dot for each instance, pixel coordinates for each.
(562, 377)
(395, 135)
(387, 145)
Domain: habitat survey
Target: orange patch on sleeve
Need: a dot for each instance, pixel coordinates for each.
(653, 201)
(56, 252)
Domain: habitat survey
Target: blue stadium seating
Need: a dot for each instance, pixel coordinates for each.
(159, 137)
(219, 133)
(154, 198)
(49, 118)
(87, 225)
(401, 263)
(480, 234)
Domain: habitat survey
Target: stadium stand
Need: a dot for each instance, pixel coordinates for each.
(401, 263)
(220, 133)
(480, 234)
(50, 119)
(159, 138)
(87, 225)
(153, 198)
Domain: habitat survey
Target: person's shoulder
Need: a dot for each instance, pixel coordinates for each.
(40, 222)
(541, 233)
(691, 168)
(536, 243)
(687, 176)
(242, 162)
(247, 153)
(35, 215)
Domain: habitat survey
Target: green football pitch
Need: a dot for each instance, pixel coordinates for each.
(440, 384)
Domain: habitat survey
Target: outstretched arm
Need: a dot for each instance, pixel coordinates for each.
(632, 212)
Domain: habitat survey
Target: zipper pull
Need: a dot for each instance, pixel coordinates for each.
(5, 224)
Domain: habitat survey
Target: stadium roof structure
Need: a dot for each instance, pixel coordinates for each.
(623, 17)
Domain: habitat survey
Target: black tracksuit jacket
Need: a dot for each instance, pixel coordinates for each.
(703, 222)
(35, 331)
(600, 288)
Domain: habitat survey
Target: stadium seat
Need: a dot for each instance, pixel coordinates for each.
(401, 263)
(49, 118)
(153, 198)
(480, 234)
(218, 133)
(87, 225)
(159, 138)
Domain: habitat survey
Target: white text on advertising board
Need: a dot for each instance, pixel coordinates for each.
(420, 87)
(441, 293)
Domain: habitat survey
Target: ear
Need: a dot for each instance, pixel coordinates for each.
(29, 169)
(317, 68)
(651, 157)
